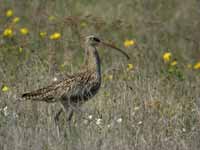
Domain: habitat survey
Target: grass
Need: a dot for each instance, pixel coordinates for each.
(153, 105)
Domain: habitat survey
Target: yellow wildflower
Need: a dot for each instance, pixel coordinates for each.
(106, 94)
(62, 65)
(197, 65)
(110, 77)
(167, 56)
(83, 24)
(16, 20)
(43, 34)
(189, 66)
(9, 13)
(20, 49)
(174, 63)
(128, 43)
(129, 67)
(24, 31)
(51, 18)
(8, 32)
(55, 36)
(4, 88)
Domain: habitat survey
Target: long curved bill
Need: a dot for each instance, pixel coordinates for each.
(114, 47)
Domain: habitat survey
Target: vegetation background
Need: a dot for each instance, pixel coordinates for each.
(146, 103)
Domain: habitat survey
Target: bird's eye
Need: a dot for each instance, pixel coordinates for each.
(96, 39)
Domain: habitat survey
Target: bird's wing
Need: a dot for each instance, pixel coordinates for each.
(79, 80)
(79, 86)
(69, 86)
(43, 94)
(49, 93)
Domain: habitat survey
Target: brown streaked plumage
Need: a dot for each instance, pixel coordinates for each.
(77, 88)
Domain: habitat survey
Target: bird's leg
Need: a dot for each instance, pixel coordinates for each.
(68, 111)
(69, 118)
(70, 115)
(56, 118)
(76, 108)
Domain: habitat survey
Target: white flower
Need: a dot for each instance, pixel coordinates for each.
(5, 111)
(136, 108)
(184, 130)
(90, 117)
(133, 114)
(98, 121)
(110, 125)
(85, 121)
(15, 115)
(119, 120)
(140, 122)
(55, 79)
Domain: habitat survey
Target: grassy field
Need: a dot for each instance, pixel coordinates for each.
(150, 102)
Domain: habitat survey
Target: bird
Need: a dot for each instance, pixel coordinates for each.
(76, 89)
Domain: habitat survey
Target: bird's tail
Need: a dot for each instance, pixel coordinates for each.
(30, 96)
(34, 96)
(26, 96)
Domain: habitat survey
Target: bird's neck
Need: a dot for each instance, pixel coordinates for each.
(92, 60)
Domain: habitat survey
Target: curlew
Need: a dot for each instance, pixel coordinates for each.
(75, 89)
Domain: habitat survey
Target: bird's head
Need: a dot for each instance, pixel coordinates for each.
(92, 40)
(95, 41)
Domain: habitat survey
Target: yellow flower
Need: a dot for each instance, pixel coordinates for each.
(197, 65)
(167, 56)
(9, 13)
(51, 18)
(4, 88)
(55, 36)
(16, 20)
(106, 94)
(189, 66)
(20, 49)
(8, 32)
(110, 77)
(83, 24)
(129, 67)
(174, 63)
(43, 34)
(128, 43)
(62, 65)
(24, 31)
